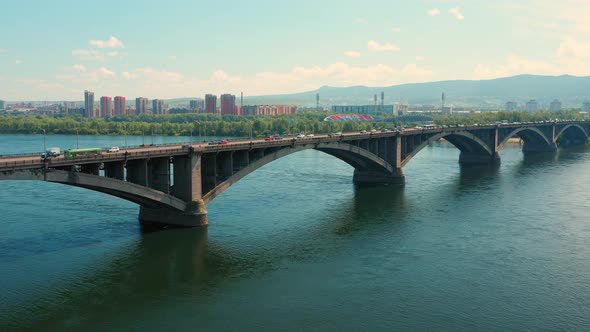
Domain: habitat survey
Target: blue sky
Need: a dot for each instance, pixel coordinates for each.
(53, 50)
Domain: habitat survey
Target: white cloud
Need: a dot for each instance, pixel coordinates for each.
(2, 50)
(434, 12)
(89, 55)
(397, 30)
(18, 62)
(172, 57)
(106, 72)
(456, 11)
(167, 84)
(352, 54)
(377, 47)
(419, 58)
(112, 42)
(79, 68)
(127, 75)
(360, 20)
(112, 53)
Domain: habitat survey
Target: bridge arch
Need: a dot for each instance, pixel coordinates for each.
(359, 158)
(529, 135)
(573, 134)
(138, 194)
(467, 143)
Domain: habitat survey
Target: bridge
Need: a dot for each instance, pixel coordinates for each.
(174, 183)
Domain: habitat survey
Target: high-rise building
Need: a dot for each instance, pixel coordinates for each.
(210, 104)
(89, 104)
(120, 105)
(2, 104)
(228, 104)
(197, 105)
(158, 106)
(106, 107)
(141, 105)
(555, 105)
(511, 106)
(586, 107)
(531, 106)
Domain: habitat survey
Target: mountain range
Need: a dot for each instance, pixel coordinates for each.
(572, 91)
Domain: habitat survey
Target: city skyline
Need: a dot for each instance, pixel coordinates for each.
(282, 49)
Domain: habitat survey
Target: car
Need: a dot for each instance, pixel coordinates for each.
(363, 131)
(113, 149)
(269, 138)
(309, 135)
(337, 134)
(223, 142)
(300, 136)
(278, 137)
(212, 143)
(373, 130)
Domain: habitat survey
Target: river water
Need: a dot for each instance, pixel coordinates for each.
(295, 246)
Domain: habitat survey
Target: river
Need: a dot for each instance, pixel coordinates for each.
(295, 246)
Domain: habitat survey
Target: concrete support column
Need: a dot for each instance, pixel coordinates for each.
(90, 169)
(137, 171)
(187, 178)
(398, 153)
(187, 186)
(209, 172)
(115, 170)
(478, 158)
(225, 164)
(379, 177)
(159, 174)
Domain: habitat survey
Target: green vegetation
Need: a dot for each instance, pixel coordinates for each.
(179, 125)
(491, 117)
(235, 126)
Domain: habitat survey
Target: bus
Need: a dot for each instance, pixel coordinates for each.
(75, 153)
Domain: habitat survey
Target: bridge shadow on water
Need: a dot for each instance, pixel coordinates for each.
(532, 164)
(169, 264)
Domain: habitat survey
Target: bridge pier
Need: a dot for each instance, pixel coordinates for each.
(378, 177)
(479, 158)
(194, 216)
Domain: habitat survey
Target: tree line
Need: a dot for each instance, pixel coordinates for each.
(237, 126)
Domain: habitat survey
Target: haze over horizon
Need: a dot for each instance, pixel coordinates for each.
(263, 49)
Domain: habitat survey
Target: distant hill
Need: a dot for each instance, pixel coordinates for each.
(572, 91)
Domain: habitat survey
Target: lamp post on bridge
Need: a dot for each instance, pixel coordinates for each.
(44, 141)
(125, 135)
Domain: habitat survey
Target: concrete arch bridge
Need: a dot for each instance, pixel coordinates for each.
(173, 183)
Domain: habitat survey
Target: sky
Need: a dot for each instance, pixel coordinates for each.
(54, 50)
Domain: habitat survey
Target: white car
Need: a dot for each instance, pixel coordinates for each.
(300, 136)
(309, 135)
(113, 149)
